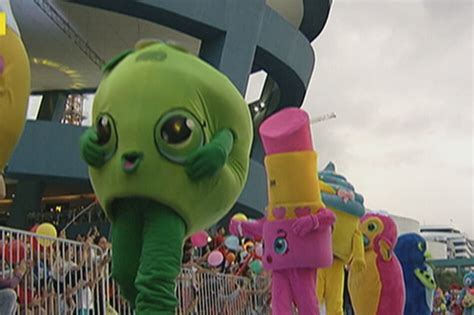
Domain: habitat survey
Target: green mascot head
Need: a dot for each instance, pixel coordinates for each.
(155, 112)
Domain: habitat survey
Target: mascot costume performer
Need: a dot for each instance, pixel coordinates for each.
(467, 294)
(14, 88)
(297, 227)
(379, 288)
(418, 276)
(347, 243)
(169, 155)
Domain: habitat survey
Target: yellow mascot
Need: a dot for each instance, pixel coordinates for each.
(348, 245)
(14, 88)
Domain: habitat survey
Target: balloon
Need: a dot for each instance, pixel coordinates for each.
(256, 266)
(232, 242)
(249, 245)
(215, 258)
(14, 252)
(44, 229)
(230, 257)
(240, 217)
(199, 239)
(259, 250)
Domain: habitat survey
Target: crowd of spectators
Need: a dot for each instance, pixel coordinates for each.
(448, 302)
(63, 278)
(66, 278)
(238, 256)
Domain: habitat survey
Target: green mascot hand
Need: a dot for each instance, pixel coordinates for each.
(209, 160)
(91, 151)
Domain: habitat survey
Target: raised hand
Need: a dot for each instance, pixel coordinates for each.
(91, 151)
(21, 269)
(208, 160)
(326, 216)
(302, 226)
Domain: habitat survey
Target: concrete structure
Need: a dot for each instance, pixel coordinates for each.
(453, 242)
(406, 225)
(68, 41)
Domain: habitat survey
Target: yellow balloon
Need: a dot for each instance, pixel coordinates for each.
(46, 229)
(240, 217)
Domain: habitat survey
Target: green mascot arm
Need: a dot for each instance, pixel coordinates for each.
(91, 151)
(209, 160)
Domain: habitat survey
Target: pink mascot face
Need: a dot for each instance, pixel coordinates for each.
(284, 249)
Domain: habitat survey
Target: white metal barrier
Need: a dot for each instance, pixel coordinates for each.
(69, 277)
(206, 292)
(202, 292)
(65, 277)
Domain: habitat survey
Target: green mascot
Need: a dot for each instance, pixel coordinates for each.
(169, 155)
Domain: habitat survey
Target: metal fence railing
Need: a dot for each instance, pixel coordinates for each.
(205, 292)
(69, 277)
(65, 277)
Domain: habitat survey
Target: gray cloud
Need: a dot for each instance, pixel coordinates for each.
(399, 76)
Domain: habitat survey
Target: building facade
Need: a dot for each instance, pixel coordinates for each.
(445, 242)
(237, 37)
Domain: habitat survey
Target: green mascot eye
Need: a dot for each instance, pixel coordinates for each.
(177, 135)
(106, 134)
(421, 247)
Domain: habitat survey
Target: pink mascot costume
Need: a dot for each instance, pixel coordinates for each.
(297, 228)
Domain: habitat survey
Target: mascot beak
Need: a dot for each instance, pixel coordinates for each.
(428, 255)
(385, 249)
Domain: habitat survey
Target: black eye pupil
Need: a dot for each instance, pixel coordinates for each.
(176, 129)
(371, 227)
(104, 130)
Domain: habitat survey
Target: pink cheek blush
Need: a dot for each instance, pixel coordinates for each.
(2, 65)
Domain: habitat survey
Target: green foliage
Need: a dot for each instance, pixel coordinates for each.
(445, 278)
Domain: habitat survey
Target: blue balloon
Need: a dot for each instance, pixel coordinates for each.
(232, 242)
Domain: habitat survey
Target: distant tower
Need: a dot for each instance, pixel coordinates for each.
(73, 113)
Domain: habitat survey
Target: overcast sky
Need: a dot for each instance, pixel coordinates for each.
(398, 74)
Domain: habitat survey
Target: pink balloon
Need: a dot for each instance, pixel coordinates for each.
(199, 239)
(259, 250)
(215, 258)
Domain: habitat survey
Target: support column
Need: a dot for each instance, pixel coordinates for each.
(27, 199)
(52, 106)
(30, 192)
(233, 52)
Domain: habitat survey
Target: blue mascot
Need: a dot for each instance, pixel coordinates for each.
(418, 276)
(467, 294)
